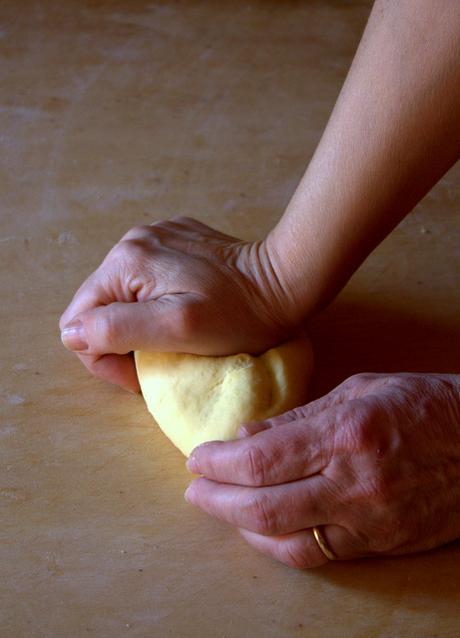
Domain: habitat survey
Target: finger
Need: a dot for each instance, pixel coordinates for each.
(249, 429)
(90, 294)
(298, 550)
(332, 399)
(115, 279)
(272, 456)
(301, 550)
(114, 368)
(120, 328)
(271, 510)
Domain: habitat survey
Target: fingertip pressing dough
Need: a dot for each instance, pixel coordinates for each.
(196, 398)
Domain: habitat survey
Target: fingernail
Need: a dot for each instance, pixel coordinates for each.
(192, 465)
(72, 336)
(189, 494)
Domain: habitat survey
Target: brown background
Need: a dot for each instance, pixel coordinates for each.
(119, 113)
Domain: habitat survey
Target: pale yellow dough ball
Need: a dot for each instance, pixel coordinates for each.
(198, 398)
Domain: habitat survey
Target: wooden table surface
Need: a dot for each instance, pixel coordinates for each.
(118, 113)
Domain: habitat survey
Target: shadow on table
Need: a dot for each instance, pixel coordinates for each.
(358, 336)
(420, 578)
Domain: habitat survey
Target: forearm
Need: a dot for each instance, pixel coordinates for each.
(393, 133)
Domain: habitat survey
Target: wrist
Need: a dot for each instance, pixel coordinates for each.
(288, 291)
(277, 307)
(294, 273)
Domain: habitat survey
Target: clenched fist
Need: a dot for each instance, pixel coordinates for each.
(177, 286)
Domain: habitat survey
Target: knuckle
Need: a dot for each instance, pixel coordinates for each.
(262, 516)
(362, 383)
(182, 219)
(159, 227)
(255, 464)
(119, 252)
(398, 380)
(134, 248)
(129, 250)
(105, 328)
(362, 377)
(172, 223)
(372, 430)
(294, 414)
(360, 426)
(136, 232)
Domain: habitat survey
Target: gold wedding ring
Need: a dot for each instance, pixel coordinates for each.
(319, 538)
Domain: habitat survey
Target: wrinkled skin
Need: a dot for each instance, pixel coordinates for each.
(178, 286)
(376, 462)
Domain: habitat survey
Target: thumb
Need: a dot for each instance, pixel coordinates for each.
(119, 328)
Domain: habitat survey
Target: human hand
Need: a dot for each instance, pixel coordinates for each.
(177, 286)
(376, 462)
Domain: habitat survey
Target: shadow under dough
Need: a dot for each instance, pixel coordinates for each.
(358, 336)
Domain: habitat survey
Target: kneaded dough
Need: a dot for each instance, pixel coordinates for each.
(197, 398)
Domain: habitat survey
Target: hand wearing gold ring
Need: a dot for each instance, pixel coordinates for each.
(370, 469)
